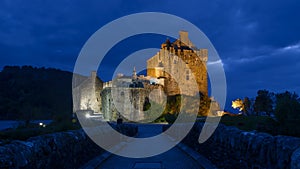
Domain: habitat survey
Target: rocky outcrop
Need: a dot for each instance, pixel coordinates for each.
(70, 149)
(230, 147)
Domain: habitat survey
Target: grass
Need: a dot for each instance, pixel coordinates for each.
(25, 132)
(248, 123)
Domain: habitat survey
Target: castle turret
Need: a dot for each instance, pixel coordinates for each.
(134, 75)
(184, 37)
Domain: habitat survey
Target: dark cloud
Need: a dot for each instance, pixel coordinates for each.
(258, 41)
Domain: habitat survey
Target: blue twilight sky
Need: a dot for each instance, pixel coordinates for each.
(258, 41)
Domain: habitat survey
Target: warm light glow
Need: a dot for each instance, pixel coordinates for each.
(238, 103)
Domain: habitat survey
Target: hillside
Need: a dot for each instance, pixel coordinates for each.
(35, 93)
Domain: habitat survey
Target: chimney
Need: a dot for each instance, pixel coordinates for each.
(184, 37)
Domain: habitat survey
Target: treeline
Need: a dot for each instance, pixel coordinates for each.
(285, 107)
(29, 93)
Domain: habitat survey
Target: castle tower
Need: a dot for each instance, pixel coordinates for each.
(184, 38)
(134, 75)
(180, 60)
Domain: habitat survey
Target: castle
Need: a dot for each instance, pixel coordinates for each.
(176, 62)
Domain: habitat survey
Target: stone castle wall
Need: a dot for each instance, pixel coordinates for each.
(129, 102)
(177, 64)
(86, 95)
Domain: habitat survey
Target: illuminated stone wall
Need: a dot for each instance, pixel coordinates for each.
(92, 94)
(177, 62)
(86, 95)
(129, 101)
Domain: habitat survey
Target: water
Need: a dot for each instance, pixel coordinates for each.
(6, 124)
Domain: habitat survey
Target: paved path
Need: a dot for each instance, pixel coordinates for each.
(172, 159)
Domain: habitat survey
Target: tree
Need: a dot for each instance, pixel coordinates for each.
(29, 93)
(263, 102)
(147, 104)
(152, 110)
(287, 107)
(204, 105)
(173, 104)
(247, 105)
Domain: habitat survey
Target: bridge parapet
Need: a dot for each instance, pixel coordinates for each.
(230, 147)
(69, 149)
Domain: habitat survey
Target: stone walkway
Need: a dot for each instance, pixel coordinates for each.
(172, 159)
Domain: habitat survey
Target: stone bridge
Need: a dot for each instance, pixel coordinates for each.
(227, 148)
(179, 157)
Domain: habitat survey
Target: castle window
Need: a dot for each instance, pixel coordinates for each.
(187, 75)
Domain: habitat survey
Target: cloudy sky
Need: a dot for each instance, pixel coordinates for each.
(258, 41)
